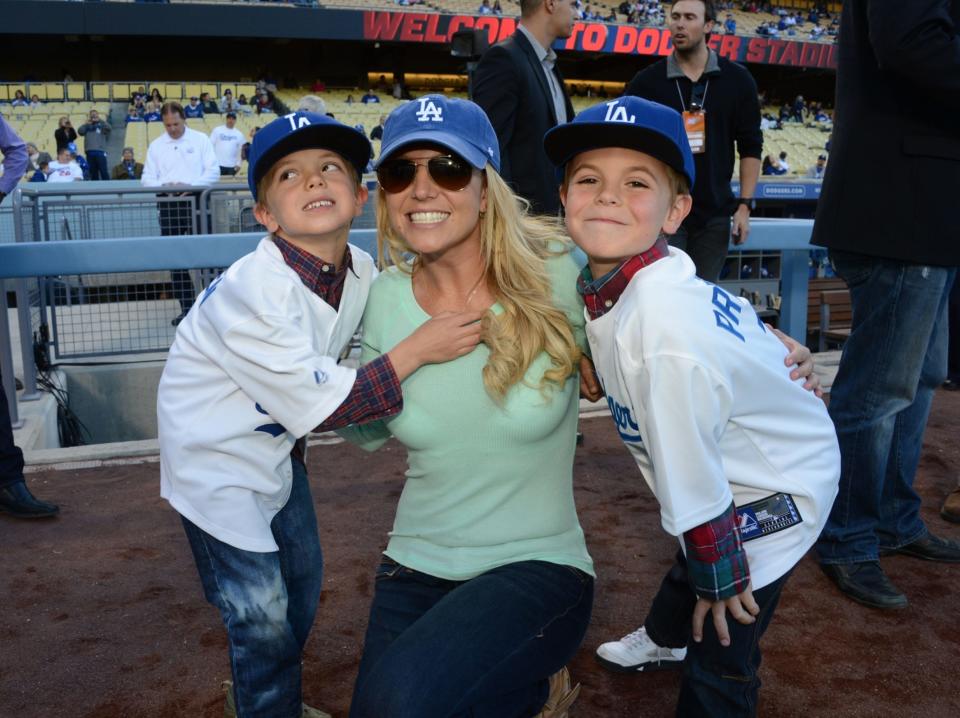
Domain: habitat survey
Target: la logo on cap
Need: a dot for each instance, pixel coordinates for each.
(428, 111)
(617, 113)
(298, 123)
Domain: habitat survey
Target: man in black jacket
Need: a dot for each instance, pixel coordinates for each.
(893, 237)
(719, 102)
(520, 88)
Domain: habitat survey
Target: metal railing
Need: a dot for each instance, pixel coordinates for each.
(27, 262)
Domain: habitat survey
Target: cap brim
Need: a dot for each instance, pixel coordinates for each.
(564, 141)
(448, 140)
(343, 140)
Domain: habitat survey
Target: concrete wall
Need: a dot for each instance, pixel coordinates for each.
(116, 402)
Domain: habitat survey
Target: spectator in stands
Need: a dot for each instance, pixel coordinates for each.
(180, 157)
(132, 116)
(156, 97)
(227, 142)
(35, 101)
(498, 11)
(209, 106)
(228, 103)
(96, 133)
(816, 172)
(33, 156)
(730, 25)
(140, 94)
(242, 101)
(312, 103)
(129, 168)
(194, 109)
(43, 168)
(784, 165)
(519, 86)
(377, 132)
(485, 8)
(64, 134)
(721, 98)
(245, 150)
(15, 498)
(891, 236)
(65, 168)
(265, 102)
(80, 160)
(152, 114)
(369, 97)
(798, 109)
(19, 99)
(771, 166)
(139, 105)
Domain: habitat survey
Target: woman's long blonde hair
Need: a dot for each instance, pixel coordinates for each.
(515, 247)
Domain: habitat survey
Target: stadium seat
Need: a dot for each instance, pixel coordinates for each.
(76, 91)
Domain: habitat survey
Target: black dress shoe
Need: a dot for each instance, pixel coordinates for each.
(17, 500)
(865, 583)
(930, 548)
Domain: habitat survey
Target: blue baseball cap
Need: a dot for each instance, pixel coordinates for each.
(303, 131)
(458, 125)
(630, 122)
(72, 146)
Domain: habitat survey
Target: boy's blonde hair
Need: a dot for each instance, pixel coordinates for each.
(515, 247)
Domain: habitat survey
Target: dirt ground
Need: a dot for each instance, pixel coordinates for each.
(103, 614)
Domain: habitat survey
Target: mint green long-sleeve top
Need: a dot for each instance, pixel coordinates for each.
(486, 484)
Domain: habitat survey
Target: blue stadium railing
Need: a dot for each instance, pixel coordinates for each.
(78, 257)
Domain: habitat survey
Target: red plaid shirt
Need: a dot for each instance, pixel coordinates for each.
(716, 562)
(376, 393)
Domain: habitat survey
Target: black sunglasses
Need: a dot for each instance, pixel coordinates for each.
(449, 172)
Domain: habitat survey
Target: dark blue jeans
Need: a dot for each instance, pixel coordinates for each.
(98, 165)
(895, 358)
(479, 648)
(707, 246)
(717, 681)
(268, 602)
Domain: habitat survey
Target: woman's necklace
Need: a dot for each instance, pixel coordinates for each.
(471, 293)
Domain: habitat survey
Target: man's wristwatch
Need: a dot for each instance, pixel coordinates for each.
(745, 200)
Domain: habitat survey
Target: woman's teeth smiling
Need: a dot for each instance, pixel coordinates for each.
(428, 217)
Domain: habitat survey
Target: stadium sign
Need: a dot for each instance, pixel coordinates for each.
(596, 37)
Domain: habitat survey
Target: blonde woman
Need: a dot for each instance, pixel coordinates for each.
(486, 586)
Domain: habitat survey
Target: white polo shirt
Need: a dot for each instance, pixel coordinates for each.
(226, 145)
(701, 398)
(189, 159)
(253, 367)
(64, 172)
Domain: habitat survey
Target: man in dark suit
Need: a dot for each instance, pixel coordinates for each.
(893, 236)
(520, 88)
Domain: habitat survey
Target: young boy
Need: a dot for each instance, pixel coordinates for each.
(252, 370)
(743, 460)
(65, 168)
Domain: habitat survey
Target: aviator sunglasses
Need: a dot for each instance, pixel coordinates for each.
(448, 172)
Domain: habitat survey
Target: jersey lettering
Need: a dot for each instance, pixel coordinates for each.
(273, 429)
(210, 289)
(727, 312)
(429, 112)
(626, 426)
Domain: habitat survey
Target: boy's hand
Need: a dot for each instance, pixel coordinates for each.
(444, 337)
(801, 358)
(742, 607)
(590, 388)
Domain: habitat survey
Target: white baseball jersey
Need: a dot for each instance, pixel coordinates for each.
(64, 171)
(253, 367)
(189, 159)
(702, 399)
(227, 144)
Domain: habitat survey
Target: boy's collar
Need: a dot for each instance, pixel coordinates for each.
(601, 294)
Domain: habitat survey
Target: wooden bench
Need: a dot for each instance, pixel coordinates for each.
(836, 316)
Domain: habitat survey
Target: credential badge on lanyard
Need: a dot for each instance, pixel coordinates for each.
(695, 121)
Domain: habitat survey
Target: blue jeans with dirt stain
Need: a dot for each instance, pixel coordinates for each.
(268, 602)
(895, 358)
(482, 648)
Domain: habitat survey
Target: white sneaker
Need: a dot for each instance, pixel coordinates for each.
(637, 652)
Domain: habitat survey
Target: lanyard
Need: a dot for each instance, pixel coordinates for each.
(684, 104)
